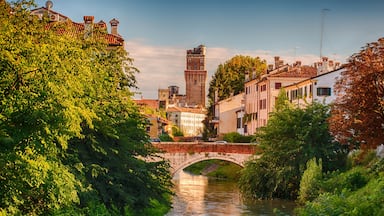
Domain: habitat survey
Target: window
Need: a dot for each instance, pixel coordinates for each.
(248, 90)
(305, 91)
(278, 85)
(263, 87)
(238, 123)
(263, 104)
(310, 90)
(294, 94)
(300, 93)
(323, 91)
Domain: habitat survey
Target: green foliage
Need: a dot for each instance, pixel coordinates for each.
(177, 132)
(31, 182)
(231, 137)
(72, 142)
(309, 183)
(291, 138)
(235, 137)
(367, 200)
(197, 168)
(216, 169)
(350, 180)
(165, 138)
(226, 170)
(358, 191)
(360, 157)
(229, 77)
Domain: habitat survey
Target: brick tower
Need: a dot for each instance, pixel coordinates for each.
(195, 76)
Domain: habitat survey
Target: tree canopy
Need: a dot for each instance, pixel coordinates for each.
(358, 112)
(229, 77)
(71, 139)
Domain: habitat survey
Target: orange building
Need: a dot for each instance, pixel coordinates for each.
(261, 94)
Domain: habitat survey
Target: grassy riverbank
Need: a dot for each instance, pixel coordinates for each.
(216, 169)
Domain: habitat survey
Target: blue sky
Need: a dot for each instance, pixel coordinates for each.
(158, 32)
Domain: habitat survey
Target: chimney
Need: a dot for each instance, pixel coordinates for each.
(102, 26)
(114, 23)
(88, 25)
(88, 20)
(277, 58)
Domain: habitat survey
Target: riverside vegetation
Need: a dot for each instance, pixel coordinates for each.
(323, 156)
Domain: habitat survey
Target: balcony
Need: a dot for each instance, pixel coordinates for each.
(215, 120)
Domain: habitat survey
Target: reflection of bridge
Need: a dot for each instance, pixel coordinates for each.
(184, 154)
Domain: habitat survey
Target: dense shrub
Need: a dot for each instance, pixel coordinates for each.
(235, 137)
(310, 182)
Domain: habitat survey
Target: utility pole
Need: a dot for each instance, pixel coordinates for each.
(322, 31)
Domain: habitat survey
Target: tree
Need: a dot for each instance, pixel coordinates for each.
(229, 80)
(358, 113)
(229, 77)
(71, 139)
(291, 138)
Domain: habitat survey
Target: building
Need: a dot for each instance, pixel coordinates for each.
(157, 124)
(319, 88)
(261, 93)
(230, 113)
(86, 28)
(195, 77)
(187, 120)
(171, 97)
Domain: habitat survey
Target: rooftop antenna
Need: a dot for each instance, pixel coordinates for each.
(322, 30)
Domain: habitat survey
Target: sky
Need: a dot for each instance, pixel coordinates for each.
(157, 33)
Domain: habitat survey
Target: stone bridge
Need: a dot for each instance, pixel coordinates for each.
(184, 154)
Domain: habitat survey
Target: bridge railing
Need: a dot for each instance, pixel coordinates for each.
(196, 147)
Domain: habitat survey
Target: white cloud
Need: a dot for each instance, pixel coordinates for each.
(162, 66)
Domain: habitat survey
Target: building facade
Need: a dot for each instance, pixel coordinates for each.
(230, 115)
(195, 76)
(187, 120)
(261, 94)
(319, 89)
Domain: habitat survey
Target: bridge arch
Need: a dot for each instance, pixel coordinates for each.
(175, 170)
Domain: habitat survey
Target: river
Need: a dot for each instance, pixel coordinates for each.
(196, 195)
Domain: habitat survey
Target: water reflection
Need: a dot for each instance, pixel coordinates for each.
(196, 195)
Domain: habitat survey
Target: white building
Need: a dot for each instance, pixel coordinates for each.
(319, 88)
(188, 120)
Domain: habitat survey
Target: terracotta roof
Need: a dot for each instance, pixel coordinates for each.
(185, 109)
(302, 71)
(79, 28)
(148, 102)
